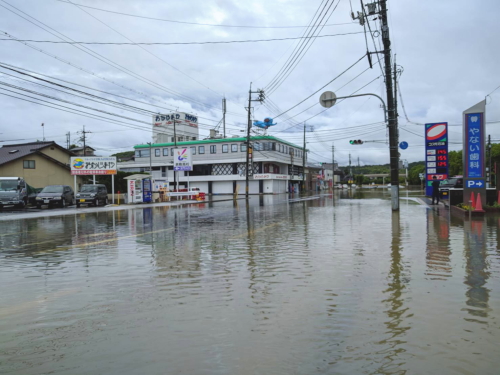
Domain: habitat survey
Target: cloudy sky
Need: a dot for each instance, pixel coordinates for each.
(447, 52)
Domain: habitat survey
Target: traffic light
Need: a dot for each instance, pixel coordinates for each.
(356, 142)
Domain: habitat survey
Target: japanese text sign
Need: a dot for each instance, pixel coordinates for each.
(93, 165)
(182, 159)
(436, 153)
(474, 146)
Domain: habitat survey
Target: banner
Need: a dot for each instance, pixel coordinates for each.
(182, 159)
(92, 165)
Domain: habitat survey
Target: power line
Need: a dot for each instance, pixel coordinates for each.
(321, 88)
(300, 52)
(176, 43)
(197, 23)
(91, 53)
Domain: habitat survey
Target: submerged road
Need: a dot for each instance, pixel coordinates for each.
(326, 284)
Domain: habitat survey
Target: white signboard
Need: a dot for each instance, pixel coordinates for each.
(93, 165)
(270, 176)
(180, 118)
(182, 159)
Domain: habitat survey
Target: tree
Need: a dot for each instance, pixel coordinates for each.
(455, 163)
(413, 174)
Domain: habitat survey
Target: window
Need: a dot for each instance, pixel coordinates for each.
(157, 152)
(171, 152)
(234, 148)
(256, 146)
(193, 150)
(142, 153)
(213, 149)
(165, 152)
(225, 148)
(266, 145)
(28, 164)
(193, 138)
(201, 149)
(243, 147)
(172, 139)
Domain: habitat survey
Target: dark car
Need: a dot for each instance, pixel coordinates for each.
(56, 195)
(92, 195)
(451, 183)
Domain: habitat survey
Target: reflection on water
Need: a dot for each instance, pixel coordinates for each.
(333, 283)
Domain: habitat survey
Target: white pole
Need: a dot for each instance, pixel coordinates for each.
(113, 189)
(93, 178)
(75, 183)
(188, 180)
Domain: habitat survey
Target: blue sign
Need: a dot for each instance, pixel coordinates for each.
(474, 146)
(471, 184)
(403, 145)
(436, 154)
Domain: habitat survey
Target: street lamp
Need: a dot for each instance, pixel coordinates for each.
(328, 99)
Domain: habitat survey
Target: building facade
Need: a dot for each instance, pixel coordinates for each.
(39, 163)
(219, 165)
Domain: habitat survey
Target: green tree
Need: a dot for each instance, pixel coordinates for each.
(413, 174)
(455, 162)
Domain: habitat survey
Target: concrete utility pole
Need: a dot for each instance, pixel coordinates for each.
(304, 161)
(333, 166)
(393, 120)
(224, 116)
(249, 125)
(84, 141)
(175, 146)
(350, 167)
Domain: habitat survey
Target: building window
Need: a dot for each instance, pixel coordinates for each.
(28, 164)
(142, 153)
(256, 146)
(234, 148)
(225, 148)
(222, 169)
(172, 139)
(213, 149)
(201, 149)
(171, 152)
(193, 138)
(157, 152)
(193, 150)
(243, 147)
(165, 152)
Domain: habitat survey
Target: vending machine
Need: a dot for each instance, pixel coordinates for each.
(147, 194)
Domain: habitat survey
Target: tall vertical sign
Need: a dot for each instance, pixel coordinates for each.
(474, 140)
(436, 154)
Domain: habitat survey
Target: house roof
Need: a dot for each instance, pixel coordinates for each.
(9, 153)
(81, 148)
(220, 140)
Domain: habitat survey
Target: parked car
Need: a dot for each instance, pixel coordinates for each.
(92, 195)
(451, 183)
(56, 195)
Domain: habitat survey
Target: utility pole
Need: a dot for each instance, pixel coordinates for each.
(249, 125)
(84, 137)
(175, 146)
(304, 162)
(393, 120)
(333, 166)
(350, 167)
(488, 174)
(150, 163)
(224, 116)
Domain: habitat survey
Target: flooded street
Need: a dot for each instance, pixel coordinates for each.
(325, 285)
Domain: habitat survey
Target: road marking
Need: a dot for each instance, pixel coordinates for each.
(16, 309)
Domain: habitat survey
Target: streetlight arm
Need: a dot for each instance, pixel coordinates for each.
(353, 96)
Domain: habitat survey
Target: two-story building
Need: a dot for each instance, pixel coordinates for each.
(219, 165)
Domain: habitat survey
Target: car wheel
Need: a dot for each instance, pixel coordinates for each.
(62, 203)
(106, 201)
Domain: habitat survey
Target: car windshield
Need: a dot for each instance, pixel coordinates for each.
(451, 181)
(8, 185)
(87, 189)
(52, 189)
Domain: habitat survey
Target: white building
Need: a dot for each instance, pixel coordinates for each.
(219, 165)
(180, 125)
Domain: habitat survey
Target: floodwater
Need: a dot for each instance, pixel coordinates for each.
(328, 285)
